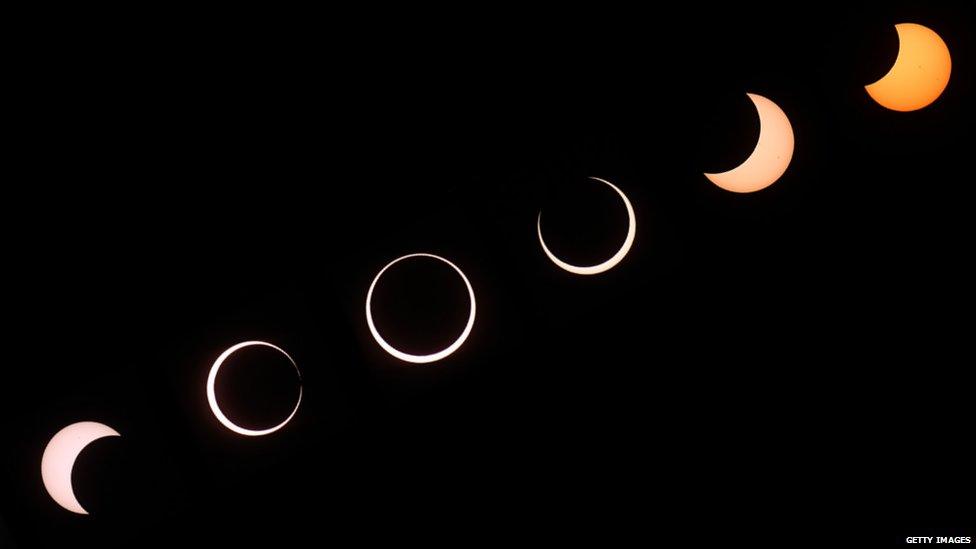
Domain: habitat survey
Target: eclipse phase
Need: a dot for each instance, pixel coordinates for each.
(212, 397)
(615, 258)
(920, 73)
(770, 158)
(432, 357)
(59, 460)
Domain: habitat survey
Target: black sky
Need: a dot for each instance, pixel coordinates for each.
(784, 363)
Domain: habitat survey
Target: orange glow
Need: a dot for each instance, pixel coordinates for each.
(920, 73)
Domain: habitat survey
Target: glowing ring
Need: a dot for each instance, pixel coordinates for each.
(419, 359)
(616, 258)
(212, 397)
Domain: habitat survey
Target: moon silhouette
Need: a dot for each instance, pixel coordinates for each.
(212, 396)
(920, 73)
(407, 357)
(59, 460)
(615, 258)
(770, 158)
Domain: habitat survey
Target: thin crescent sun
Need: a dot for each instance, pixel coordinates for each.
(408, 357)
(212, 396)
(770, 158)
(615, 258)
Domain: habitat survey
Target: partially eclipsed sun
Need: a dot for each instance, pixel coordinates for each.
(920, 73)
(770, 158)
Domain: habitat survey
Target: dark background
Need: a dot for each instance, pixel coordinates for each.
(792, 364)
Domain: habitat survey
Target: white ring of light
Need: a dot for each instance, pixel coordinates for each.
(616, 258)
(212, 397)
(419, 359)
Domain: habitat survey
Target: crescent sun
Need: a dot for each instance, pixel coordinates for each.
(212, 396)
(59, 460)
(615, 258)
(770, 158)
(407, 357)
